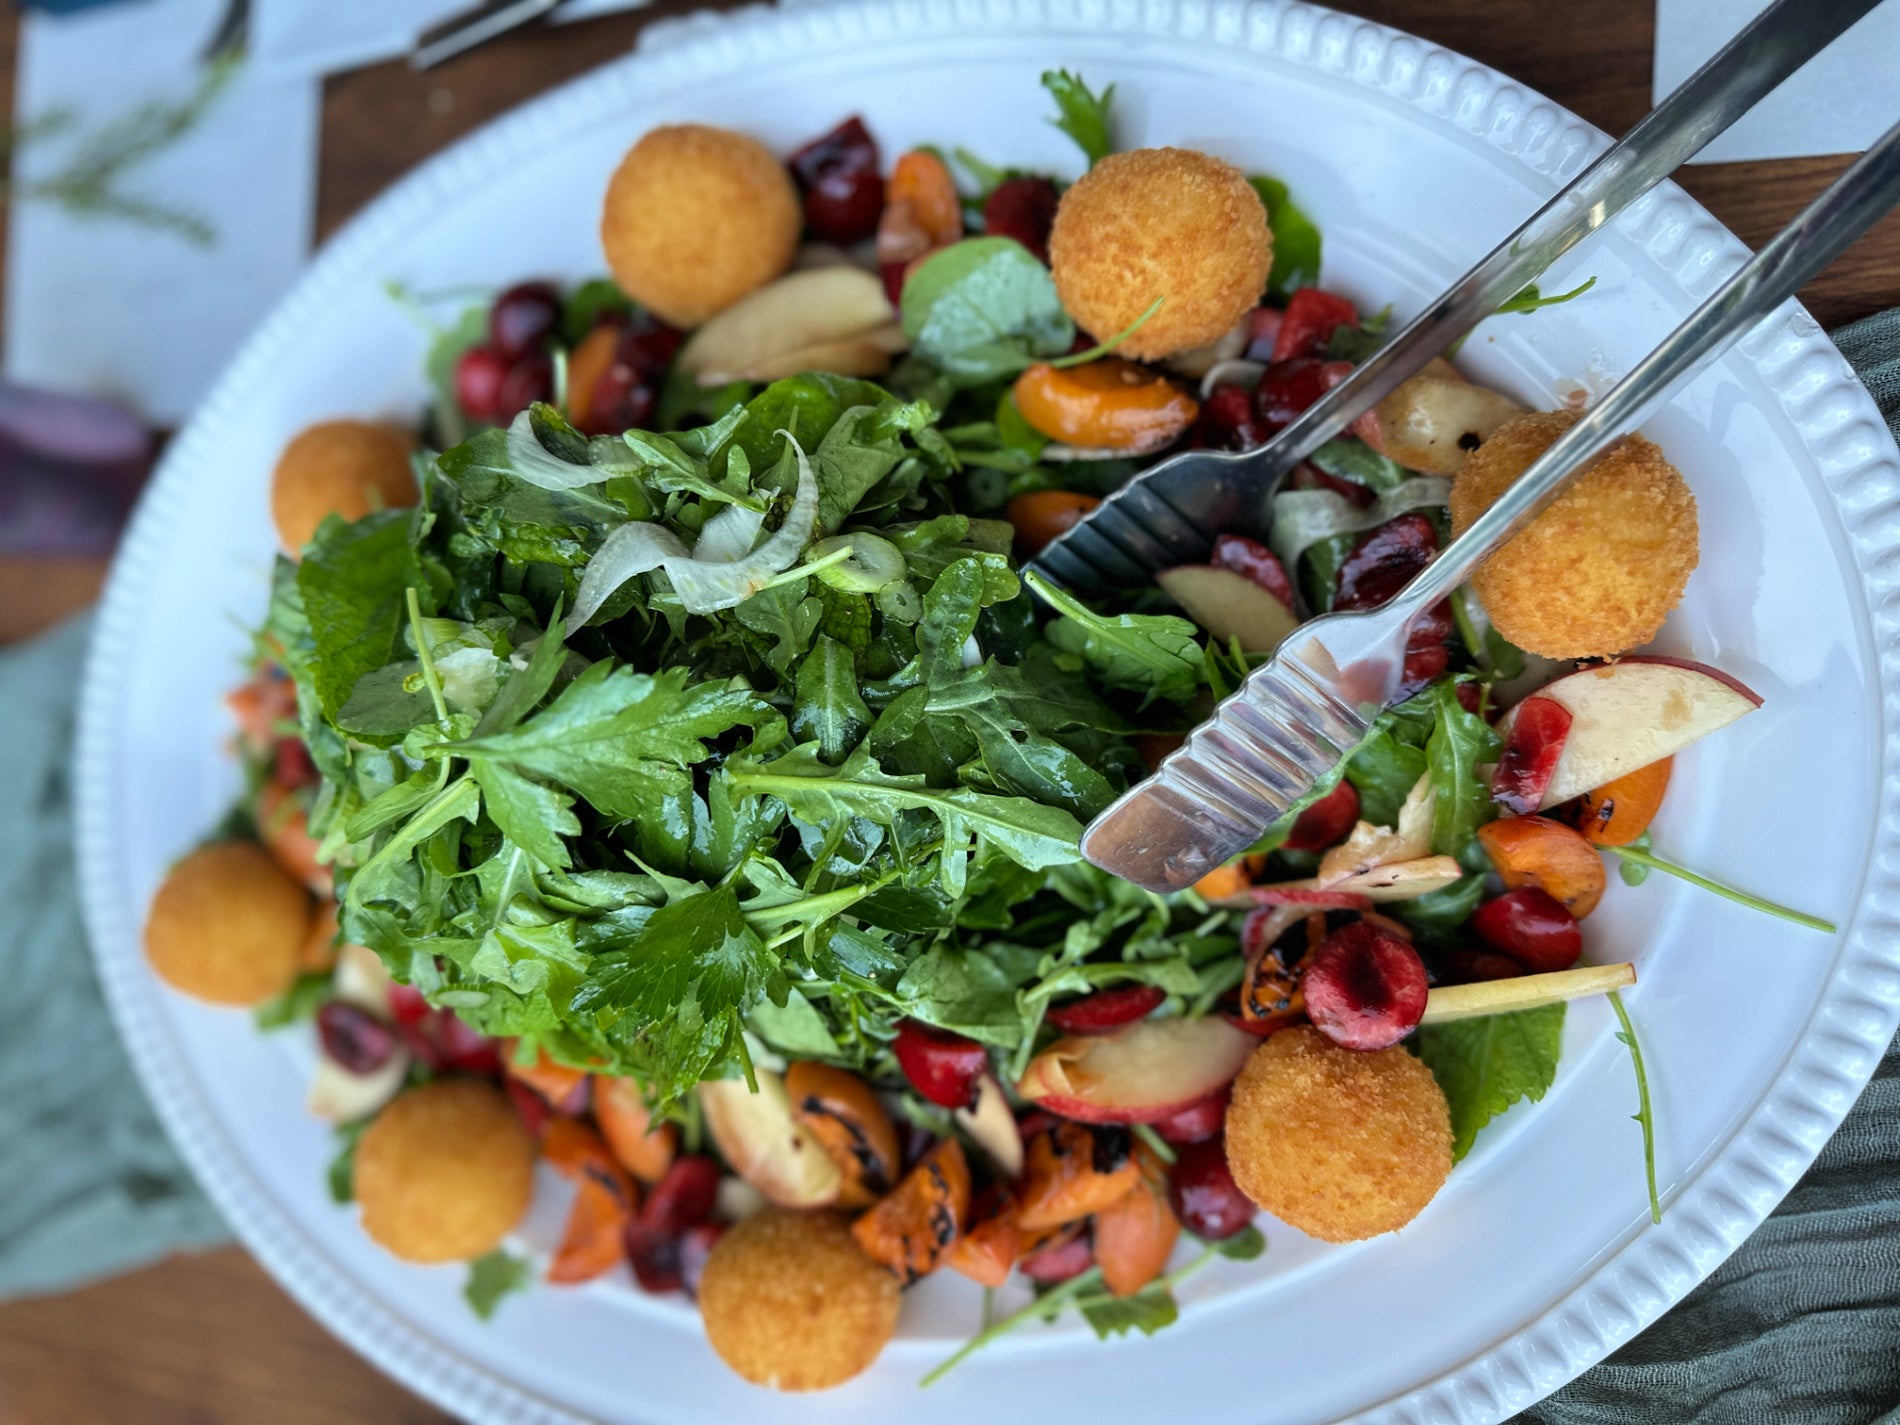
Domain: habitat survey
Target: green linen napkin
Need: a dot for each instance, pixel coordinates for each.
(1800, 1327)
(89, 1183)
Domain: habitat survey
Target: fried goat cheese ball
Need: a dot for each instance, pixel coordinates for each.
(695, 218)
(347, 468)
(444, 1172)
(791, 1302)
(228, 925)
(1339, 1143)
(1597, 572)
(1160, 222)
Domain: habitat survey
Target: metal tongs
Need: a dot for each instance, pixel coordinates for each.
(1298, 715)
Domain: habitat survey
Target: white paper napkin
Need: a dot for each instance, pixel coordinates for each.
(105, 307)
(1840, 102)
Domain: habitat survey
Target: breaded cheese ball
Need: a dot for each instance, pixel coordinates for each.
(695, 218)
(791, 1302)
(444, 1172)
(1339, 1143)
(347, 468)
(1160, 222)
(228, 925)
(1599, 570)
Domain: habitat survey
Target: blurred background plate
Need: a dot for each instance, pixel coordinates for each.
(1537, 1259)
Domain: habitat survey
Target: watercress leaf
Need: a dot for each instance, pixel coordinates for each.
(621, 739)
(1460, 742)
(1487, 1064)
(353, 580)
(1082, 115)
(826, 704)
(494, 1277)
(983, 309)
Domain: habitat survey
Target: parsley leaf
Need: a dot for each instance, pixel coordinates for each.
(1485, 1065)
(493, 1277)
(1083, 116)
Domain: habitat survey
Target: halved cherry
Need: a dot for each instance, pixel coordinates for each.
(1312, 316)
(1327, 822)
(1023, 209)
(1289, 387)
(1384, 560)
(1067, 1253)
(1530, 926)
(685, 1197)
(1105, 1009)
(1228, 421)
(1529, 758)
(1197, 1122)
(1365, 987)
(940, 1065)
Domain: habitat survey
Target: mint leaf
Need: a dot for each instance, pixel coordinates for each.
(621, 739)
(493, 1277)
(1083, 116)
(353, 580)
(983, 309)
(1296, 240)
(1485, 1065)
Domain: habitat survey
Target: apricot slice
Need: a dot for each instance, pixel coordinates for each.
(848, 1122)
(586, 364)
(1135, 1235)
(912, 1229)
(1109, 404)
(1536, 851)
(644, 1149)
(1041, 516)
(283, 825)
(1619, 811)
(1071, 1171)
(989, 1247)
(554, 1082)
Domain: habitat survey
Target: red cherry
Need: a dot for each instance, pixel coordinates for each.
(479, 373)
(1023, 209)
(1311, 318)
(942, 1066)
(407, 1004)
(357, 1040)
(1422, 666)
(1227, 421)
(1365, 987)
(1289, 387)
(1468, 966)
(1204, 1194)
(655, 1257)
(292, 766)
(1263, 333)
(1327, 822)
(1199, 1121)
(1530, 755)
(1251, 558)
(685, 1197)
(529, 380)
(523, 318)
(1060, 1261)
(838, 174)
(530, 1107)
(468, 1050)
(1105, 1009)
(1532, 926)
(1384, 561)
(1310, 477)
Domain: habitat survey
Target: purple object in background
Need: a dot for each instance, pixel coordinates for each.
(70, 468)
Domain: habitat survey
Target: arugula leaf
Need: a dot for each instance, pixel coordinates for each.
(1296, 240)
(493, 1277)
(1459, 743)
(983, 309)
(1083, 116)
(353, 580)
(341, 1174)
(827, 705)
(1383, 771)
(1146, 1311)
(622, 740)
(1156, 655)
(1531, 300)
(1485, 1065)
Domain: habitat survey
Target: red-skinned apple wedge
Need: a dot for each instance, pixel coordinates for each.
(1229, 605)
(1627, 714)
(1142, 1074)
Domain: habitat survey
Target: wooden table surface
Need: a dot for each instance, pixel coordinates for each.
(211, 1340)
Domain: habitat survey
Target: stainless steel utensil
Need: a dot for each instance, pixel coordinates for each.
(1297, 716)
(1171, 513)
(462, 32)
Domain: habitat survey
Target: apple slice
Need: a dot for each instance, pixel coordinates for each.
(1627, 714)
(1229, 605)
(1433, 422)
(992, 1127)
(800, 312)
(1142, 1074)
(361, 979)
(758, 1136)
